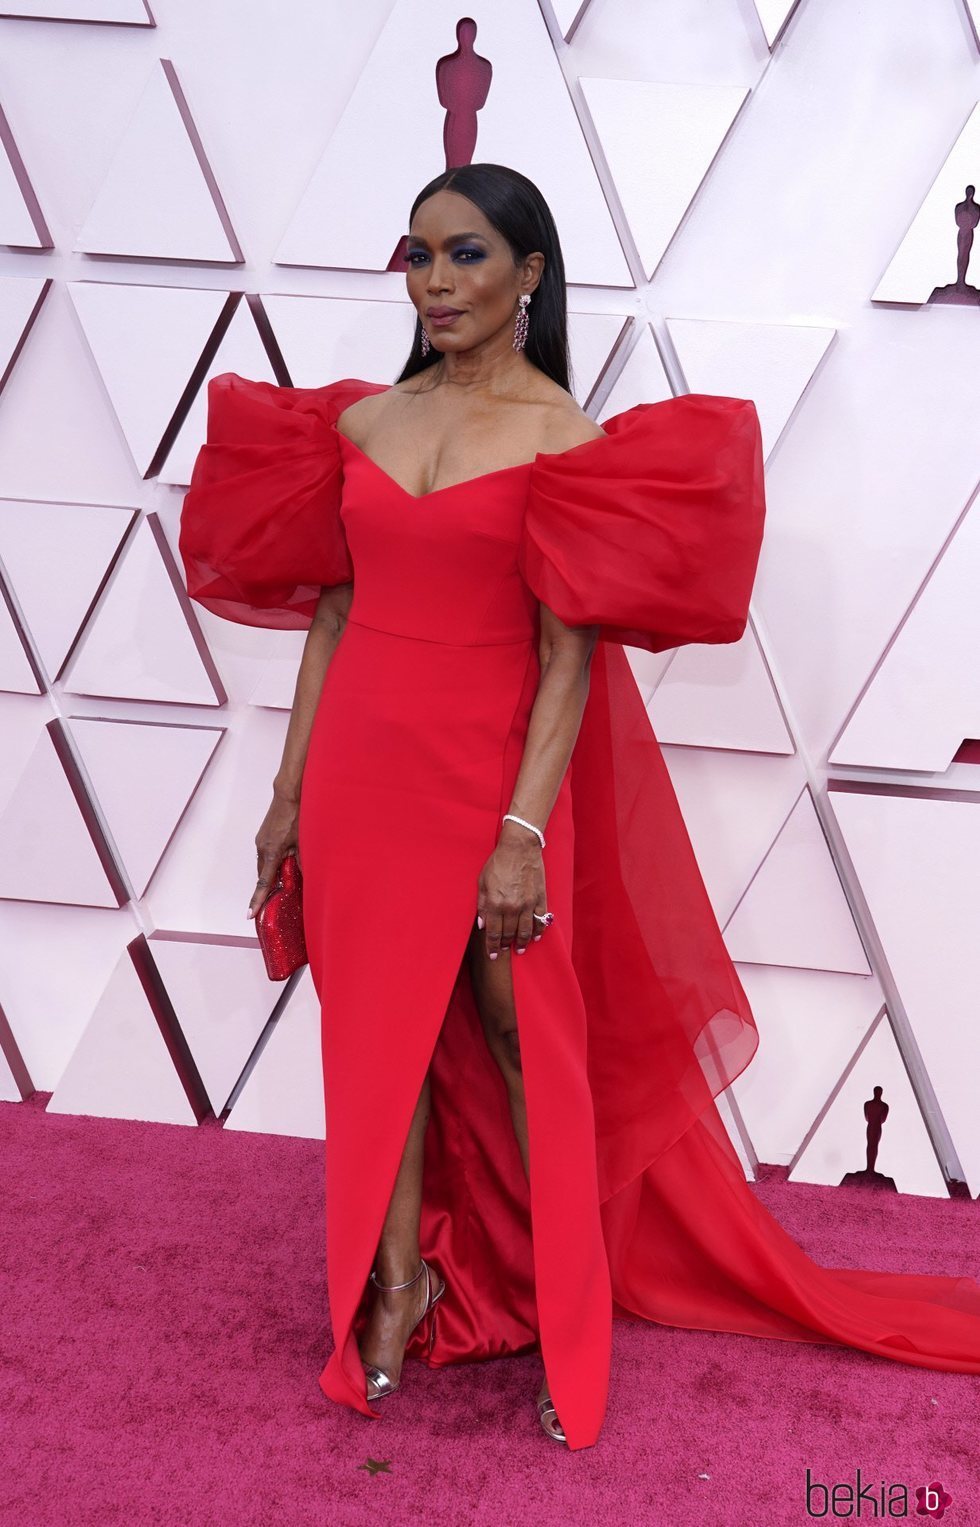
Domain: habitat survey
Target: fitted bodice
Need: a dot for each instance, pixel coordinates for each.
(439, 566)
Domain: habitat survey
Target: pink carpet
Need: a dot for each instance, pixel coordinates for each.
(164, 1323)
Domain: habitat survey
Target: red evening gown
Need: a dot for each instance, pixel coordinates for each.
(631, 1016)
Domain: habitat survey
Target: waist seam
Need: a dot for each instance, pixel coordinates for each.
(434, 641)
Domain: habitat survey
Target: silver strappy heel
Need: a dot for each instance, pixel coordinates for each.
(548, 1416)
(383, 1385)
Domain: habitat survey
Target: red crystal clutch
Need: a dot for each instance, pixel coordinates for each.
(279, 923)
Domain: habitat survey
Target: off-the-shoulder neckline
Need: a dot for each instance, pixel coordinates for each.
(520, 466)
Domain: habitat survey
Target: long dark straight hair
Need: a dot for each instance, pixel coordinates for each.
(515, 207)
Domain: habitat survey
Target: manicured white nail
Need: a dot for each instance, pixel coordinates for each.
(479, 922)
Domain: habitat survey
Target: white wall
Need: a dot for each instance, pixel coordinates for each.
(762, 223)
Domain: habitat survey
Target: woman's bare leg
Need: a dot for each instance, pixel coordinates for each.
(493, 988)
(393, 1315)
(494, 992)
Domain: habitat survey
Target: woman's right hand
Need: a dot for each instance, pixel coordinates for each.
(277, 837)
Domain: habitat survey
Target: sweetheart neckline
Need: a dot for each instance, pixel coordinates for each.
(434, 492)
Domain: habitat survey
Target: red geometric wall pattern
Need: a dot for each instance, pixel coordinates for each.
(730, 224)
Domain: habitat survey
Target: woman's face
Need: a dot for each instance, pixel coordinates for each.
(457, 260)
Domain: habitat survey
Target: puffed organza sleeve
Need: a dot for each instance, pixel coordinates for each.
(260, 526)
(652, 533)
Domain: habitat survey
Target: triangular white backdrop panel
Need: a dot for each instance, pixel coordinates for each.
(222, 998)
(397, 85)
(926, 257)
(659, 141)
(20, 302)
(242, 351)
(774, 15)
(770, 363)
(143, 775)
(923, 699)
(56, 558)
(132, 13)
(49, 852)
(810, 1024)
(918, 859)
(324, 339)
(734, 805)
(641, 380)
(720, 697)
(57, 961)
(21, 220)
(839, 1143)
(17, 674)
(146, 341)
(158, 199)
(283, 1094)
(138, 645)
(121, 1067)
(795, 912)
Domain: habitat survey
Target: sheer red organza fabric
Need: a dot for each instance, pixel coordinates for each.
(653, 535)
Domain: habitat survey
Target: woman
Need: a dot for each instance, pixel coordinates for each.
(528, 1008)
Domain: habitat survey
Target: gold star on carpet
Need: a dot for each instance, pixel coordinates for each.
(376, 1466)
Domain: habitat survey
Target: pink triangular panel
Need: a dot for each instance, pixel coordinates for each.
(49, 852)
(132, 13)
(795, 912)
(839, 1144)
(139, 645)
(22, 223)
(159, 199)
(146, 341)
(57, 557)
(223, 999)
(720, 697)
(241, 351)
(283, 1094)
(17, 675)
(121, 1067)
(144, 774)
(20, 303)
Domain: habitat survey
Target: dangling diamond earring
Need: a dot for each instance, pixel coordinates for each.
(520, 322)
(424, 340)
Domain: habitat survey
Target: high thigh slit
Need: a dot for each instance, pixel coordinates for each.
(630, 1014)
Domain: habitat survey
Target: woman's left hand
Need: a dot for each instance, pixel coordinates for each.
(511, 889)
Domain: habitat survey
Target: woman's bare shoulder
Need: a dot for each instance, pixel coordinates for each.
(566, 424)
(359, 418)
(356, 419)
